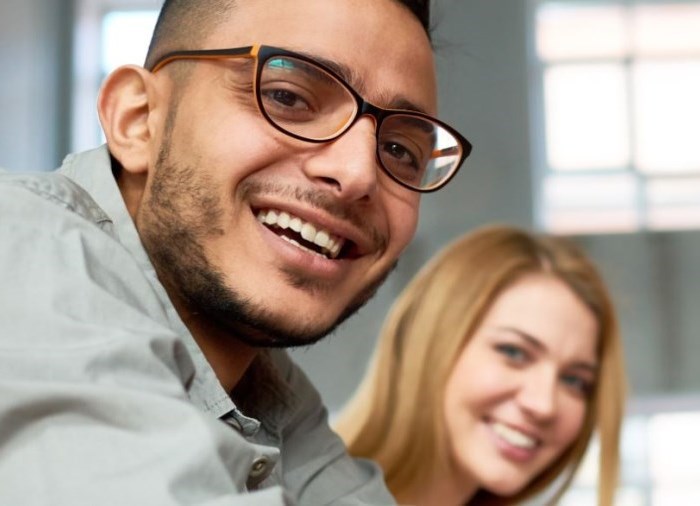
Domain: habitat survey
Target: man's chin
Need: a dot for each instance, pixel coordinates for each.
(266, 327)
(314, 315)
(276, 333)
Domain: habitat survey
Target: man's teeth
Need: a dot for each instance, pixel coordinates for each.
(513, 436)
(330, 244)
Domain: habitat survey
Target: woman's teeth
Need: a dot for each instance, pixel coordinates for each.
(513, 436)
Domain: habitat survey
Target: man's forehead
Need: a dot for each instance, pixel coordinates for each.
(378, 46)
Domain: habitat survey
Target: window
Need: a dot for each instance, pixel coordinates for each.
(618, 108)
(658, 457)
(125, 37)
(108, 33)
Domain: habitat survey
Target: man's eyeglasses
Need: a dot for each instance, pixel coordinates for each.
(309, 101)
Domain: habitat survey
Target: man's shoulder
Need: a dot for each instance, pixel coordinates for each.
(48, 192)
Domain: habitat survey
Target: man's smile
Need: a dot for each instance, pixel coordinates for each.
(303, 234)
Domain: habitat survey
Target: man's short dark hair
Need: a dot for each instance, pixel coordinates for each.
(182, 24)
(421, 9)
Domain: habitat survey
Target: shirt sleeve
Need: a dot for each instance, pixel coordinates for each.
(93, 383)
(317, 468)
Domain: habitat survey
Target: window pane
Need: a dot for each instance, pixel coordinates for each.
(125, 37)
(674, 496)
(633, 451)
(667, 108)
(670, 468)
(668, 192)
(630, 496)
(623, 497)
(672, 29)
(597, 203)
(566, 30)
(677, 217)
(674, 473)
(586, 117)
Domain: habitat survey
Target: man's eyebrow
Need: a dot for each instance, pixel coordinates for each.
(593, 368)
(355, 80)
(406, 105)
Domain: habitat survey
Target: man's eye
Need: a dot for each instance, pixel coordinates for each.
(400, 153)
(285, 98)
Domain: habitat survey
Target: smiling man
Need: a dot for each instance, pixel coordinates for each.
(262, 175)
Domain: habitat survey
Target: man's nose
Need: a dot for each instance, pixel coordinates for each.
(348, 165)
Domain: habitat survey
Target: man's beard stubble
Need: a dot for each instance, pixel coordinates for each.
(180, 212)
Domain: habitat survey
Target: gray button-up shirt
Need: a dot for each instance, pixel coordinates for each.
(105, 397)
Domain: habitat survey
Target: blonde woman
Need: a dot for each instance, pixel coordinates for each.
(494, 368)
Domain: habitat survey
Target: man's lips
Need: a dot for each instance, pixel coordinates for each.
(304, 234)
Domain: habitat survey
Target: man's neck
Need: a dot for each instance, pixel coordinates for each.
(130, 186)
(229, 357)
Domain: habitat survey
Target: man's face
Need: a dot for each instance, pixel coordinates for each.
(232, 206)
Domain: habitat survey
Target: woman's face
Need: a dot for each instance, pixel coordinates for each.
(517, 397)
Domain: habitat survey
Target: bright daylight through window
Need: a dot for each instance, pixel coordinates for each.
(619, 108)
(105, 38)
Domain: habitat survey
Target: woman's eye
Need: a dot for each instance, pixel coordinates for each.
(512, 352)
(578, 384)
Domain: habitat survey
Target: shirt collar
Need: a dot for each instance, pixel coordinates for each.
(93, 171)
(267, 394)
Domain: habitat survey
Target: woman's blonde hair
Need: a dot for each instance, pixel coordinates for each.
(396, 416)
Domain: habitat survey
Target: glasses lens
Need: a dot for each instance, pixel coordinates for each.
(303, 99)
(417, 151)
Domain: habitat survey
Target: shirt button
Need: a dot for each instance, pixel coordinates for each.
(259, 467)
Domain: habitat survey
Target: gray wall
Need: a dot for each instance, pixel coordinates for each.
(34, 88)
(483, 69)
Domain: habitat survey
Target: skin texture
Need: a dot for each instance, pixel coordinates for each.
(199, 161)
(530, 366)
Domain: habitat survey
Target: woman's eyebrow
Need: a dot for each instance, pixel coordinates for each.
(582, 364)
(524, 335)
(586, 366)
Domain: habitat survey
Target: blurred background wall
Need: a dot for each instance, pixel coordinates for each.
(35, 55)
(485, 53)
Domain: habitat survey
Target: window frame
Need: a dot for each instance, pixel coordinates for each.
(87, 75)
(543, 172)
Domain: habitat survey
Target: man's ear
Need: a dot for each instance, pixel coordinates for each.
(125, 106)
